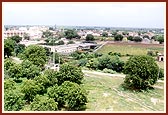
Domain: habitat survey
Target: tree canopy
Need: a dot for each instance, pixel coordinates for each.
(142, 71)
(118, 37)
(69, 34)
(90, 37)
(9, 46)
(36, 54)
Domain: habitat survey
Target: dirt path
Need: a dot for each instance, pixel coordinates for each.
(100, 73)
(86, 72)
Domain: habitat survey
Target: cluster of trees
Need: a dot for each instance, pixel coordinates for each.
(136, 38)
(159, 38)
(69, 34)
(12, 46)
(98, 61)
(27, 88)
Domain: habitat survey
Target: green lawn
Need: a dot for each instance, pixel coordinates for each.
(106, 94)
(132, 49)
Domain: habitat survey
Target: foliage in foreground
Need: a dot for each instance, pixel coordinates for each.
(141, 72)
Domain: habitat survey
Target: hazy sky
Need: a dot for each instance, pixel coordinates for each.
(112, 14)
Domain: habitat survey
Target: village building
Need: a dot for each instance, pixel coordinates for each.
(160, 57)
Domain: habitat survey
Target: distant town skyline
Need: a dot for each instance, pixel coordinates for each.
(111, 14)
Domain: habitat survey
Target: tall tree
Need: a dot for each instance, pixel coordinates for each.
(8, 47)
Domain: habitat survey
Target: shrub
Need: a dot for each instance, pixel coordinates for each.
(60, 42)
(161, 73)
(150, 53)
(43, 103)
(105, 70)
(142, 72)
(82, 62)
(71, 42)
(92, 64)
(9, 84)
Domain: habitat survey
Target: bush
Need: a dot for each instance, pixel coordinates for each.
(161, 73)
(105, 70)
(60, 42)
(71, 42)
(9, 84)
(43, 103)
(92, 63)
(82, 62)
(142, 72)
(150, 53)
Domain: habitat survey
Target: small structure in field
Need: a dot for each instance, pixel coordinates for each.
(160, 57)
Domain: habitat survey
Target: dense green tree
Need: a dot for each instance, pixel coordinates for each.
(43, 103)
(70, 73)
(13, 100)
(137, 39)
(30, 88)
(15, 71)
(8, 47)
(8, 63)
(90, 37)
(118, 37)
(141, 72)
(9, 84)
(16, 38)
(69, 95)
(35, 54)
(51, 76)
(29, 70)
(105, 34)
(69, 34)
(130, 38)
(75, 97)
(160, 39)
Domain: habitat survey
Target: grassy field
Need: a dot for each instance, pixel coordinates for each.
(132, 49)
(106, 94)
